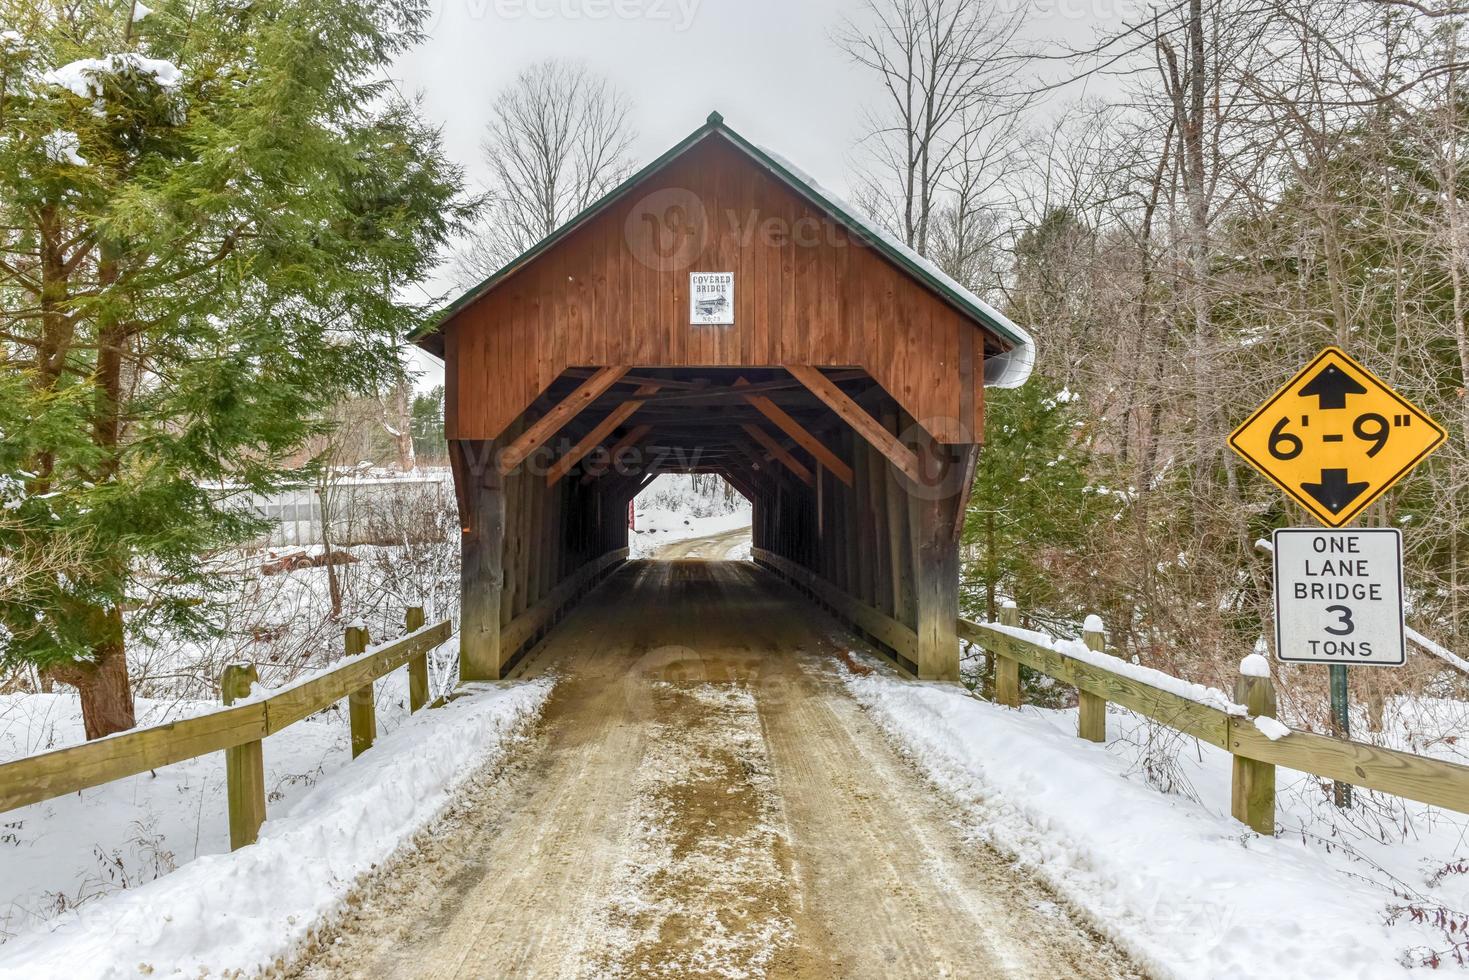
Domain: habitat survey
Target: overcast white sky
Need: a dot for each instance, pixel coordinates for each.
(768, 65)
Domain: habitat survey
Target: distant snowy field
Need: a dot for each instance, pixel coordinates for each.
(676, 508)
(1170, 877)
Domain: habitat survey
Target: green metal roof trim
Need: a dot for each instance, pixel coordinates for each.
(915, 265)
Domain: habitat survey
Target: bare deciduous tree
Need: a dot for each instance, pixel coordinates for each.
(947, 70)
(558, 140)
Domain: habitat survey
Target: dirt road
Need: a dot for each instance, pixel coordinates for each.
(702, 799)
(715, 547)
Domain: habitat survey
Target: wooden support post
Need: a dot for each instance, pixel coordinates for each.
(418, 666)
(482, 571)
(1007, 671)
(1252, 796)
(1091, 710)
(361, 712)
(898, 535)
(933, 507)
(244, 765)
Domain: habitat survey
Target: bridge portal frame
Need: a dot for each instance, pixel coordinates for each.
(845, 400)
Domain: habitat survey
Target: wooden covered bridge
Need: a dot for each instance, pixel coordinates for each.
(720, 313)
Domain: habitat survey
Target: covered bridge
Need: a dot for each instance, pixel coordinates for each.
(719, 312)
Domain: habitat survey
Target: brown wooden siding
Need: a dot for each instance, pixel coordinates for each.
(589, 302)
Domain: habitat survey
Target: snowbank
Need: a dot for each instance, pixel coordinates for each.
(245, 910)
(1186, 891)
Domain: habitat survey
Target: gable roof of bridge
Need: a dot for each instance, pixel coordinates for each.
(1007, 370)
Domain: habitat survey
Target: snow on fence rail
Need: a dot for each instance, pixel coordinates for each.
(236, 729)
(1248, 730)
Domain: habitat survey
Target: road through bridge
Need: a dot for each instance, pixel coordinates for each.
(702, 798)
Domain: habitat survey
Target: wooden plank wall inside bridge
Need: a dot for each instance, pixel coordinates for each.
(880, 558)
(529, 550)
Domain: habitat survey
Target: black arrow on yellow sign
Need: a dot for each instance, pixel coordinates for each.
(1335, 492)
(1332, 386)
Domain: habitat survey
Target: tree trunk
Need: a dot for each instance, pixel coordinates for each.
(106, 692)
(333, 583)
(403, 427)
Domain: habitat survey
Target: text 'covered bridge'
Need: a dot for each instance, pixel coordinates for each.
(720, 313)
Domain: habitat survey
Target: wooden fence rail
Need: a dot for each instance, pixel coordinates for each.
(1256, 754)
(237, 729)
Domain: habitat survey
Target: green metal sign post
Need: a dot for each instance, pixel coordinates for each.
(1341, 726)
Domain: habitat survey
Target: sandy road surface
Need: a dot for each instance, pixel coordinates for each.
(704, 800)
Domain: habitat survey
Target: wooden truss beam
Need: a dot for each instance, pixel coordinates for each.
(779, 452)
(549, 424)
(858, 418)
(744, 489)
(800, 434)
(600, 431)
(637, 379)
(630, 438)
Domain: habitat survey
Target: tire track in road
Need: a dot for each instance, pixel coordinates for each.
(703, 799)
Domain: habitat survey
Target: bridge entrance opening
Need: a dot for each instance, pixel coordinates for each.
(719, 316)
(693, 516)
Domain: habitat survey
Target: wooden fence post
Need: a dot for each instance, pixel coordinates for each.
(244, 765)
(418, 666)
(1007, 670)
(360, 710)
(1091, 710)
(1252, 792)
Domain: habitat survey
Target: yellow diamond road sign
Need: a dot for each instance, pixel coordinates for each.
(1336, 438)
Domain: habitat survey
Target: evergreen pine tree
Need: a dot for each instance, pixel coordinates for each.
(1031, 502)
(207, 214)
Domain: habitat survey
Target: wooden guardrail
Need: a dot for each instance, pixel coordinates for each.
(1232, 728)
(897, 637)
(534, 622)
(236, 729)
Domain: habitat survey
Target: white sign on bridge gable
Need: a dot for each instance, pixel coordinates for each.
(711, 298)
(1339, 597)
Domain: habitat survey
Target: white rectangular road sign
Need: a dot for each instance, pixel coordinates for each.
(1339, 597)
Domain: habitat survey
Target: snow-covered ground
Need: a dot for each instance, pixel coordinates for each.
(1171, 877)
(328, 823)
(65, 854)
(674, 508)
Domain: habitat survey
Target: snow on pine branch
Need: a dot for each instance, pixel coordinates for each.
(83, 78)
